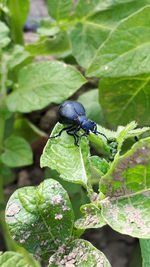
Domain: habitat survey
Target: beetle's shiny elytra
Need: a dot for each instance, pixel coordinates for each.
(72, 113)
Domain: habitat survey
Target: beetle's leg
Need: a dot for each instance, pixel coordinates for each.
(72, 134)
(84, 134)
(64, 129)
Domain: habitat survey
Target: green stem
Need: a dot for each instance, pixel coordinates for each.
(15, 22)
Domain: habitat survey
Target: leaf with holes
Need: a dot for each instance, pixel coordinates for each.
(127, 187)
(68, 159)
(40, 218)
(79, 253)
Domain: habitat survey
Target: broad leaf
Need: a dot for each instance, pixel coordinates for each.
(96, 20)
(4, 35)
(15, 259)
(43, 82)
(50, 45)
(68, 159)
(17, 152)
(79, 253)
(59, 9)
(92, 217)
(40, 218)
(127, 187)
(126, 51)
(125, 99)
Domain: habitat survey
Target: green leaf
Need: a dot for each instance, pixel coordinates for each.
(85, 8)
(4, 35)
(100, 165)
(17, 56)
(17, 152)
(8, 175)
(96, 20)
(40, 218)
(131, 56)
(69, 160)
(92, 107)
(125, 99)
(79, 253)
(59, 9)
(15, 259)
(50, 45)
(92, 218)
(126, 207)
(145, 249)
(24, 128)
(43, 82)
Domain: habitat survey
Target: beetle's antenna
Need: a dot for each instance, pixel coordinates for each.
(102, 135)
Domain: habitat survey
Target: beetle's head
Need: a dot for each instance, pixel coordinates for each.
(88, 126)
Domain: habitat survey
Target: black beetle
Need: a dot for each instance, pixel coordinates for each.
(72, 113)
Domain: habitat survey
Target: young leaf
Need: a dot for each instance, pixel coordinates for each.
(68, 159)
(59, 9)
(43, 82)
(17, 152)
(127, 187)
(14, 259)
(40, 218)
(125, 99)
(92, 217)
(132, 35)
(79, 253)
(4, 35)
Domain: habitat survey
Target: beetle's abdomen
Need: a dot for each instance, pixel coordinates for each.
(70, 111)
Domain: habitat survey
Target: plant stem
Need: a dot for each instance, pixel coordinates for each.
(15, 22)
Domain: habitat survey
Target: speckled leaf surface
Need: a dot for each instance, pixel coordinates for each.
(40, 218)
(125, 99)
(92, 217)
(15, 259)
(16, 152)
(69, 160)
(96, 19)
(44, 82)
(127, 187)
(79, 253)
(126, 51)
